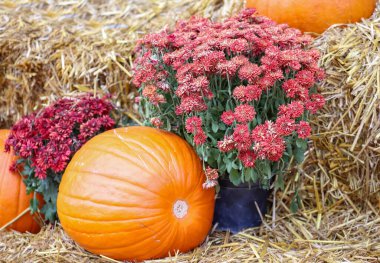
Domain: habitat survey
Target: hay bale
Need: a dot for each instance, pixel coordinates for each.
(346, 145)
(344, 236)
(50, 49)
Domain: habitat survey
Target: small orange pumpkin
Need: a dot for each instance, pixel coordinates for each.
(314, 15)
(135, 193)
(13, 197)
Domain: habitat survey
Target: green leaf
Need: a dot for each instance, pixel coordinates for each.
(299, 155)
(50, 211)
(301, 143)
(267, 169)
(214, 126)
(228, 166)
(33, 205)
(279, 184)
(254, 175)
(235, 177)
(27, 171)
(247, 174)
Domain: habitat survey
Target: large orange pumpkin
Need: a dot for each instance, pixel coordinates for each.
(314, 15)
(135, 193)
(13, 197)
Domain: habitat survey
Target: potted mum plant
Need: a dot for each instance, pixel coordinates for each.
(240, 92)
(46, 141)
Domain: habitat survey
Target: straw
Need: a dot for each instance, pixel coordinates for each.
(51, 49)
(346, 145)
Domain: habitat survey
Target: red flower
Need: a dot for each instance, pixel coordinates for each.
(303, 130)
(315, 103)
(211, 174)
(268, 143)
(292, 88)
(305, 78)
(248, 158)
(201, 64)
(249, 71)
(227, 68)
(227, 144)
(192, 103)
(155, 98)
(228, 117)
(242, 137)
(48, 140)
(245, 113)
(193, 124)
(200, 137)
(238, 45)
(247, 93)
(156, 122)
(293, 110)
(285, 126)
(240, 60)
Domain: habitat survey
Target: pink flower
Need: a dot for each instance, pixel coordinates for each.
(193, 124)
(272, 148)
(240, 93)
(200, 137)
(227, 68)
(191, 86)
(249, 72)
(155, 98)
(253, 92)
(242, 137)
(240, 60)
(247, 93)
(292, 88)
(227, 144)
(284, 125)
(156, 122)
(303, 130)
(211, 174)
(137, 99)
(228, 117)
(245, 113)
(209, 184)
(238, 45)
(305, 78)
(200, 63)
(294, 110)
(268, 143)
(192, 103)
(316, 102)
(248, 158)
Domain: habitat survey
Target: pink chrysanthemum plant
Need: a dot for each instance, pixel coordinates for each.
(46, 141)
(239, 91)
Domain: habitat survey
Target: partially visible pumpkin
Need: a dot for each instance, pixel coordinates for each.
(314, 15)
(135, 193)
(13, 197)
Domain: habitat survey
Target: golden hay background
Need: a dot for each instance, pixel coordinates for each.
(50, 49)
(339, 216)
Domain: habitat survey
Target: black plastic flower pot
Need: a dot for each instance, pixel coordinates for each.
(235, 208)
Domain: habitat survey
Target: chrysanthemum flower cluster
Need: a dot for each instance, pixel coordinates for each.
(239, 91)
(47, 140)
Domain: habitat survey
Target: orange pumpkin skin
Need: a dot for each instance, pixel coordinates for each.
(13, 197)
(314, 15)
(118, 195)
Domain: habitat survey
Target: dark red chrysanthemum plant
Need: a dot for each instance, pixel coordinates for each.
(46, 141)
(239, 91)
